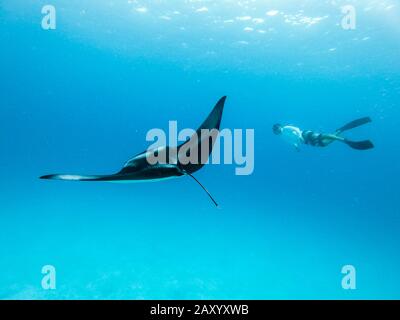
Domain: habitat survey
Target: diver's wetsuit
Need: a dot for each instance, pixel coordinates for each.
(318, 139)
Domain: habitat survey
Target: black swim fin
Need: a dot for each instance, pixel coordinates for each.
(359, 145)
(354, 124)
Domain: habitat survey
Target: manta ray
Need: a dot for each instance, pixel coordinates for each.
(139, 168)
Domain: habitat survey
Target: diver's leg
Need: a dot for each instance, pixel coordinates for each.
(327, 139)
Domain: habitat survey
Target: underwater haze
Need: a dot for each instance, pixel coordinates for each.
(81, 98)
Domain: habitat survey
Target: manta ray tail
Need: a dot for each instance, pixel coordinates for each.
(208, 193)
(71, 177)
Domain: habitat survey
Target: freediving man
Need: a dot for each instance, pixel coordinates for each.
(297, 137)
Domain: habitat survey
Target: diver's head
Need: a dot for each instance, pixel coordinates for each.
(277, 128)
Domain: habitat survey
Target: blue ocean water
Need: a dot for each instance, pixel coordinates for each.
(81, 98)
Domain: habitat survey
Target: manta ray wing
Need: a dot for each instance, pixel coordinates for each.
(202, 142)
